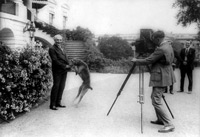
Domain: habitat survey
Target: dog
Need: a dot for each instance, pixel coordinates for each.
(81, 68)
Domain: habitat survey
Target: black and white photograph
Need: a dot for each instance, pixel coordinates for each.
(99, 68)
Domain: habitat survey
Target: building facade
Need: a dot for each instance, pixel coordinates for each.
(16, 14)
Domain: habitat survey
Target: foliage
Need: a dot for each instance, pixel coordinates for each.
(94, 57)
(25, 78)
(49, 29)
(79, 34)
(115, 48)
(189, 11)
(117, 66)
(95, 60)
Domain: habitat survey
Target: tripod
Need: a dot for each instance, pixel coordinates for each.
(141, 92)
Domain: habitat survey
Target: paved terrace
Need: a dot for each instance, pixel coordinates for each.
(90, 120)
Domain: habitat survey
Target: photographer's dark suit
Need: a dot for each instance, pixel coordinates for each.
(187, 67)
(59, 69)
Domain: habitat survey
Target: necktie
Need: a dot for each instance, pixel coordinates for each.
(60, 48)
(186, 53)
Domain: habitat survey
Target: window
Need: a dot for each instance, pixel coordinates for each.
(51, 17)
(64, 22)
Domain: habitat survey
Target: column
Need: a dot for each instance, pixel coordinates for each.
(17, 7)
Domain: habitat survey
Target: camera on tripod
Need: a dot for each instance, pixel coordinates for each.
(144, 46)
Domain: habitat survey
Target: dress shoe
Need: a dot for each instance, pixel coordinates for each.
(171, 92)
(157, 122)
(61, 106)
(53, 108)
(166, 129)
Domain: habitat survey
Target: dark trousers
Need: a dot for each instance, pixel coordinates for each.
(57, 89)
(185, 71)
(170, 88)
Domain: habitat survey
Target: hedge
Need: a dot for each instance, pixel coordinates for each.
(25, 78)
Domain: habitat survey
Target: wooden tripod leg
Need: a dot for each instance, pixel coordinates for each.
(141, 93)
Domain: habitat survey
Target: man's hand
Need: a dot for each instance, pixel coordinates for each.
(68, 66)
(184, 63)
(134, 60)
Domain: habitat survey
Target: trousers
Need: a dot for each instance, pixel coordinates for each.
(156, 97)
(188, 71)
(57, 89)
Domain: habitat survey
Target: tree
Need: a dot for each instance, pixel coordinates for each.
(189, 12)
(114, 48)
(82, 34)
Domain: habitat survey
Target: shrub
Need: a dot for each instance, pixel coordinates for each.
(115, 48)
(49, 29)
(78, 34)
(25, 78)
(94, 57)
(117, 66)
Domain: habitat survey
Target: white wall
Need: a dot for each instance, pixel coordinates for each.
(58, 11)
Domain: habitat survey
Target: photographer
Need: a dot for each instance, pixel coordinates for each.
(162, 75)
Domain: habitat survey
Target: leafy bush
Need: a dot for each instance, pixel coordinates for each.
(115, 48)
(25, 78)
(79, 34)
(94, 57)
(119, 66)
(49, 29)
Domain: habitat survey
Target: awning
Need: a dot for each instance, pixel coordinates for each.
(38, 4)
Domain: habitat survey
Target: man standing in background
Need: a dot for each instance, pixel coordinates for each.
(187, 56)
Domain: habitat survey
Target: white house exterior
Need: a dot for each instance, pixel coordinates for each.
(15, 14)
(54, 13)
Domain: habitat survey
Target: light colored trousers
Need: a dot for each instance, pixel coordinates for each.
(161, 114)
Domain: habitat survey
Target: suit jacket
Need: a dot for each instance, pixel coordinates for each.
(162, 73)
(190, 58)
(59, 60)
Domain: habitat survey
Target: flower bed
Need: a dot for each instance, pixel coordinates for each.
(25, 78)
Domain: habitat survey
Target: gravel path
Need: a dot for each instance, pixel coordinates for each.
(90, 120)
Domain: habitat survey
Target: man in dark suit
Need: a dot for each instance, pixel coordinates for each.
(162, 75)
(60, 67)
(187, 55)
